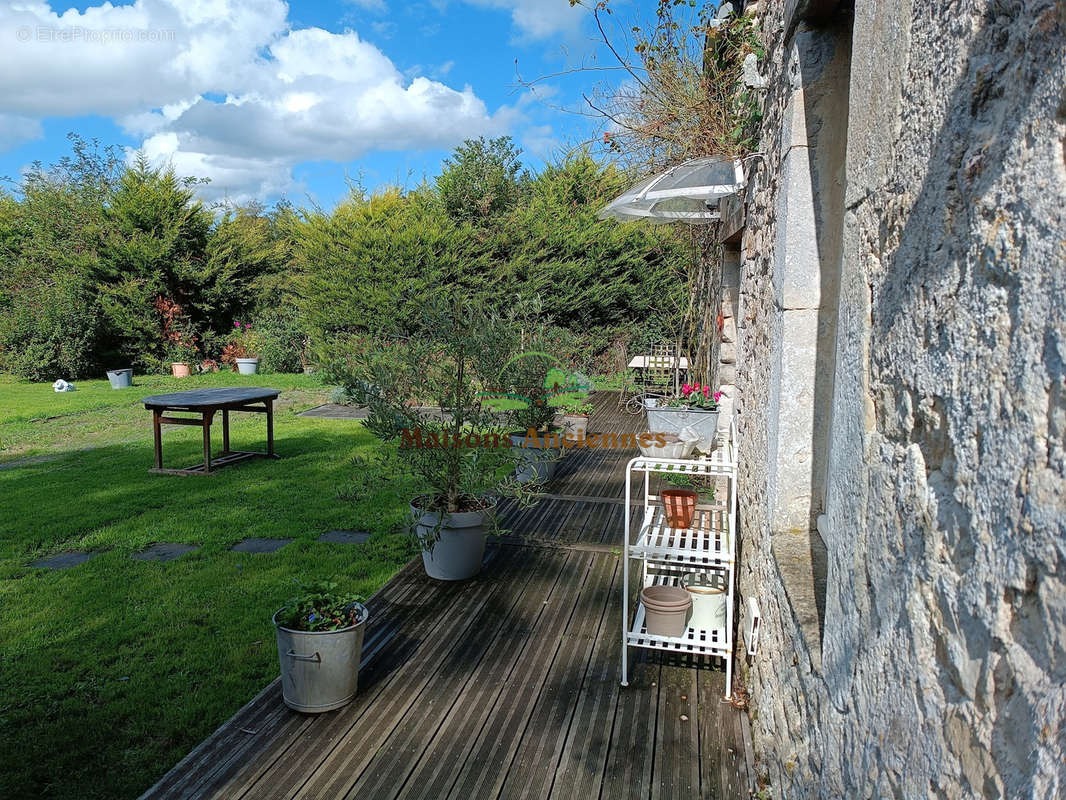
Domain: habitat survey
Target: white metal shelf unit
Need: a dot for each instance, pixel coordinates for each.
(666, 553)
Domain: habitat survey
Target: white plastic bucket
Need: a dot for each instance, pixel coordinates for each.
(707, 590)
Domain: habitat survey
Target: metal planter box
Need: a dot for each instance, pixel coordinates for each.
(673, 420)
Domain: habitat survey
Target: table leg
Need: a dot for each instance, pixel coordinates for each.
(207, 441)
(225, 431)
(270, 427)
(158, 434)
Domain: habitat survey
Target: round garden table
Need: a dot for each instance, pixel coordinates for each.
(206, 403)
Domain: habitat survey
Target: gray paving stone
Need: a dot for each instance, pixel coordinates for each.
(165, 551)
(335, 411)
(344, 537)
(260, 545)
(64, 560)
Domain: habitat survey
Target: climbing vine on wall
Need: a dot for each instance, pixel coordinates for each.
(683, 96)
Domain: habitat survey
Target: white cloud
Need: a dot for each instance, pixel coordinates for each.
(540, 19)
(16, 130)
(541, 141)
(225, 88)
(370, 5)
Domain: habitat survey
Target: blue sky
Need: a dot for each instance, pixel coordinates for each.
(271, 99)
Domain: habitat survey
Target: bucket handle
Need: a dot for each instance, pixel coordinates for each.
(302, 657)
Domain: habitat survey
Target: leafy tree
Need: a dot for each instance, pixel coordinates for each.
(155, 248)
(482, 179)
(51, 233)
(245, 254)
(370, 265)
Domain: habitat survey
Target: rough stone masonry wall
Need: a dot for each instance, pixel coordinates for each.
(943, 656)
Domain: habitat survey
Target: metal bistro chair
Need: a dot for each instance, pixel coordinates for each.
(658, 378)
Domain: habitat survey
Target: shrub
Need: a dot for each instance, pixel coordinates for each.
(50, 333)
(282, 343)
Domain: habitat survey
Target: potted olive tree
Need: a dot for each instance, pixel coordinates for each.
(320, 641)
(426, 399)
(536, 382)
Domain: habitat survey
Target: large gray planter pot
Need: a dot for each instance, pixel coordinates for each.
(247, 366)
(320, 669)
(672, 420)
(120, 378)
(453, 544)
(575, 425)
(536, 463)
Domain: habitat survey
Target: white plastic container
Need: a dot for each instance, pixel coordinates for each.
(674, 447)
(707, 590)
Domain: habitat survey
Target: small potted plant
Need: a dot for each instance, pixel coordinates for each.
(242, 349)
(575, 411)
(320, 641)
(695, 408)
(536, 442)
(424, 397)
(181, 354)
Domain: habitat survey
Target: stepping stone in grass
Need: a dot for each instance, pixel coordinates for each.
(64, 560)
(344, 537)
(165, 551)
(335, 411)
(260, 545)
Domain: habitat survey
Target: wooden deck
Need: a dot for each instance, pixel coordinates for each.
(504, 686)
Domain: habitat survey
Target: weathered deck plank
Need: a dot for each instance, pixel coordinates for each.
(505, 686)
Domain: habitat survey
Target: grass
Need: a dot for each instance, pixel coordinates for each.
(112, 670)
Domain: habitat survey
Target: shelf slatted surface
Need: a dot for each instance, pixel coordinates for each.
(705, 543)
(695, 640)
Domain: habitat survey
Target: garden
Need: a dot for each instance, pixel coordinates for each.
(114, 668)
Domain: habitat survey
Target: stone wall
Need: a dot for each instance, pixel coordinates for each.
(935, 662)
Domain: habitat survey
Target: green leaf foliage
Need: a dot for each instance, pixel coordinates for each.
(108, 264)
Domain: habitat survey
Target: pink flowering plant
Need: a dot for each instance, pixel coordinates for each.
(693, 395)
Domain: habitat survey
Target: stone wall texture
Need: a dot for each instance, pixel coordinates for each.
(940, 667)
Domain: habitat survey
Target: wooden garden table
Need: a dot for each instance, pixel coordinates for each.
(206, 402)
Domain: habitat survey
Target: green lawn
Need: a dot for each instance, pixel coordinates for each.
(112, 670)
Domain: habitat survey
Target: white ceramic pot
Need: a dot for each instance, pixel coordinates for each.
(247, 366)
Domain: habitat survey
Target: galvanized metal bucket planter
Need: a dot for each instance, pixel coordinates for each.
(673, 420)
(452, 548)
(120, 378)
(320, 669)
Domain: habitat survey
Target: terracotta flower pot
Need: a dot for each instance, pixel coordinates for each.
(680, 507)
(180, 370)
